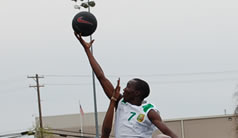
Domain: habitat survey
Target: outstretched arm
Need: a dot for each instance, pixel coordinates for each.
(157, 121)
(105, 83)
(108, 119)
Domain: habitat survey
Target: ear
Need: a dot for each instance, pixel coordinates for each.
(138, 93)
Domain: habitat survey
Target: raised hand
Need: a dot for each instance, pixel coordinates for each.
(85, 44)
(116, 93)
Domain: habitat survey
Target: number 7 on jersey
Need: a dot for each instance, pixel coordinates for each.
(132, 115)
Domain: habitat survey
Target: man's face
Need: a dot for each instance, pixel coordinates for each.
(129, 92)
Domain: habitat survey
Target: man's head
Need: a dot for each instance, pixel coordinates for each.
(136, 88)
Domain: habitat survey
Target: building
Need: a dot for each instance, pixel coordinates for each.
(222, 126)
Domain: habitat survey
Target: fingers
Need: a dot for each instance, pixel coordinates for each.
(76, 35)
(79, 36)
(91, 42)
(116, 92)
(81, 40)
(118, 82)
(118, 85)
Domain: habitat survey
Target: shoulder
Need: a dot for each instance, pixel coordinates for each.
(149, 106)
(153, 115)
(151, 111)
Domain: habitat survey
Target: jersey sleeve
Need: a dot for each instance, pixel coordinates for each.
(147, 107)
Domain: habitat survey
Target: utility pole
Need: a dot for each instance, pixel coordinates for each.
(37, 86)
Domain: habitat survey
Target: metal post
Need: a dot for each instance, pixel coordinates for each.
(94, 92)
(95, 99)
(182, 128)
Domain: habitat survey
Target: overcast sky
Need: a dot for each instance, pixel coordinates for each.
(186, 50)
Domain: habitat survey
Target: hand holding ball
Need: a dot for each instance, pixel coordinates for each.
(84, 23)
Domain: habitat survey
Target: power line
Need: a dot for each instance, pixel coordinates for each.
(11, 80)
(159, 82)
(67, 76)
(67, 84)
(155, 75)
(197, 73)
(13, 90)
(195, 81)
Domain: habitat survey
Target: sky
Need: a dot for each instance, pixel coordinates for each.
(186, 50)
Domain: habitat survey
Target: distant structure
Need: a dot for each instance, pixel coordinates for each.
(221, 126)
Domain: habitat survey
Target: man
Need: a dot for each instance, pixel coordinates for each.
(134, 117)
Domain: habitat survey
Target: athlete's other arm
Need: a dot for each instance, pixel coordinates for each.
(157, 121)
(106, 84)
(107, 123)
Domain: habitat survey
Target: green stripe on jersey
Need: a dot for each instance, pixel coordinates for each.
(147, 107)
(123, 101)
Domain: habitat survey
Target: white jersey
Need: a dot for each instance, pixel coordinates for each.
(131, 121)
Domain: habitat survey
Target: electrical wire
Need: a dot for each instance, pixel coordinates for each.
(62, 76)
(66, 84)
(156, 75)
(155, 82)
(13, 90)
(195, 81)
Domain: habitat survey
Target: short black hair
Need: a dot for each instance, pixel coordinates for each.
(143, 87)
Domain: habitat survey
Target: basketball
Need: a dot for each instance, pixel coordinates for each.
(84, 23)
